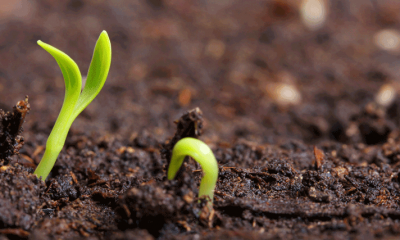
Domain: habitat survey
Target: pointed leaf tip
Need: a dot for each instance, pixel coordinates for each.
(104, 34)
(97, 74)
(104, 37)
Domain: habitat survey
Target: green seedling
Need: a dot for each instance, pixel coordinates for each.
(75, 101)
(202, 154)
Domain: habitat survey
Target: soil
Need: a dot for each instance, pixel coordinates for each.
(321, 164)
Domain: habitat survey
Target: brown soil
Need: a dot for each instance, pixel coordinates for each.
(323, 167)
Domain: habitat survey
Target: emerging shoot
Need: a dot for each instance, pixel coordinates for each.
(202, 154)
(75, 101)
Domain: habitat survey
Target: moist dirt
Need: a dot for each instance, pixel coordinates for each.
(324, 164)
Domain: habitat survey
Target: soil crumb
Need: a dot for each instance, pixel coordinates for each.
(11, 140)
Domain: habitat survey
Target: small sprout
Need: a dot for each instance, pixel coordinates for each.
(202, 154)
(75, 101)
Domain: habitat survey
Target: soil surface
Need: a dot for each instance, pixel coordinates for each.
(303, 121)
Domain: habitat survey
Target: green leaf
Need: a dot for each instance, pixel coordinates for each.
(74, 101)
(73, 85)
(97, 74)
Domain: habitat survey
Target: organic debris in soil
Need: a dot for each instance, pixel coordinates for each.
(20, 199)
(158, 205)
(11, 129)
(105, 189)
(188, 125)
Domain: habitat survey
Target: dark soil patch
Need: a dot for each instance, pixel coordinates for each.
(325, 166)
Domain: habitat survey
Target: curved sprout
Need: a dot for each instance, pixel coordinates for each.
(202, 154)
(74, 101)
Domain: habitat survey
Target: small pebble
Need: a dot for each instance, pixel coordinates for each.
(385, 95)
(284, 93)
(388, 40)
(313, 13)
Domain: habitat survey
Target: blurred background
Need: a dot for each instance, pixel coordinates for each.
(264, 71)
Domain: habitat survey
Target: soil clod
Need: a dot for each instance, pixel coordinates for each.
(11, 140)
